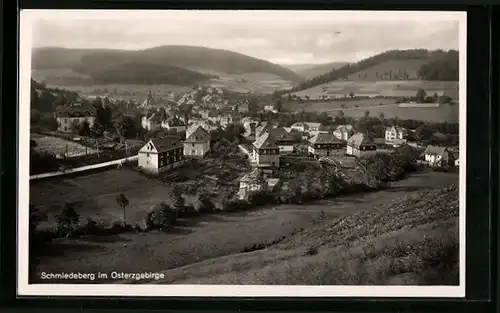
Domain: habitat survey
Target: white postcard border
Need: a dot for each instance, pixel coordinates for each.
(27, 17)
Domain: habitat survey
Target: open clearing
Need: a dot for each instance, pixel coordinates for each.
(382, 88)
(443, 113)
(59, 146)
(216, 240)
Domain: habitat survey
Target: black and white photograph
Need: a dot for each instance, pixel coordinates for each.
(242, 153)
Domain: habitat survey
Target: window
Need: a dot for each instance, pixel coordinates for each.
(193, 152)
(192, 144)
(147, 154)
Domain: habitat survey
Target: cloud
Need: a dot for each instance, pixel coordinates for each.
(294, 37)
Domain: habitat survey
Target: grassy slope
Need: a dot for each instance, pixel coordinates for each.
(412, 240)
(182, 56)
(199, 248)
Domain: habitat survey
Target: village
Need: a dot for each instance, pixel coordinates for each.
(182, 132)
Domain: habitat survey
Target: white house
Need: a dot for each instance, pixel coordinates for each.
(252, 182)
(270, 108)
(395, 132)
(360, 144)
(266, 152)
(197, 143)
(70, 118)
(309, 127)
(160, 154)
(436, 156)
(151, 121)
(344, 132)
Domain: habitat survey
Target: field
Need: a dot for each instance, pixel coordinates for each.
(443, 113)
(382, 88)
(209, 249)
(256, 82)
(59, 146)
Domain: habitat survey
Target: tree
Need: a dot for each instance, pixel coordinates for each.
(205, 204)
(123, 202)
(178, 201)
(84, 129)
(367, 113)
(351, 94)
(381, 116)
(421, 94)
(126, 127)
(423, 132)
(67, 220)
(435, 98)
(163, 113)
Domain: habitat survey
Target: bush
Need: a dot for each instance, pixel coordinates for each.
(261, 198)
(160, 216)
(236, 205)
(205, 204)
(188, 211)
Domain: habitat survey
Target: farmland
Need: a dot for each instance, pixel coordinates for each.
(59, 146)
(357, 109)
(208, 248)
(382, 88)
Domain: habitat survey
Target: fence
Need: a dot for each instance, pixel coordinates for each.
(84, 168)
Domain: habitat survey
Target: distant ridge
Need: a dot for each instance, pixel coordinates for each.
(159, 60)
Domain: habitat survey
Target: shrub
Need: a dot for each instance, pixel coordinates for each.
(187, 211)
(236, 205)
(205, 204)
(261, 198)
(67, 220)
(160, 216)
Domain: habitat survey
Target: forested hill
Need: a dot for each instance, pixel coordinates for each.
(45, 99)
(429, 65)
(166, 64)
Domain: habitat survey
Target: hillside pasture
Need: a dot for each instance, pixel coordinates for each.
(394, 67)
(94, 195)
(380, 88)
(59, 146)
(443, 113)
(208, 249)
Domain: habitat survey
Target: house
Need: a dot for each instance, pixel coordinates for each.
(397, 142)
(270, 108)
(324, 144)
(283, 138)
(360, 144)
(197, 143)
(308, 127)
(242, 107)
(70, 118)
(252, 182)
(151, 121)
(266, 152)
(214, 116)
(174, 124)
(160, 154)
(149, 101)
(395, 132)
(436, 156)
(262, 128)
(344, 132)
(225, 120)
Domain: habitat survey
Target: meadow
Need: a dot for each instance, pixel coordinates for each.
(387, 107)
(59, 146)
(211, 249)
(387, 88)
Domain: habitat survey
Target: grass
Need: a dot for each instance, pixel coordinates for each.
(207, 248)
(372, 88)
(444, 112)
(55, 146)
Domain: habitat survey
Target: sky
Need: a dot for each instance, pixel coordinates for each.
(282, 37)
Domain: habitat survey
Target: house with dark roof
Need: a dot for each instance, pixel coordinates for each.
(160, 154)
(173, 123)
(197, 143)
(266, 152)
(284, 139)
(360, 144)
(71, 117)
(436, 156)
(325, 144)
